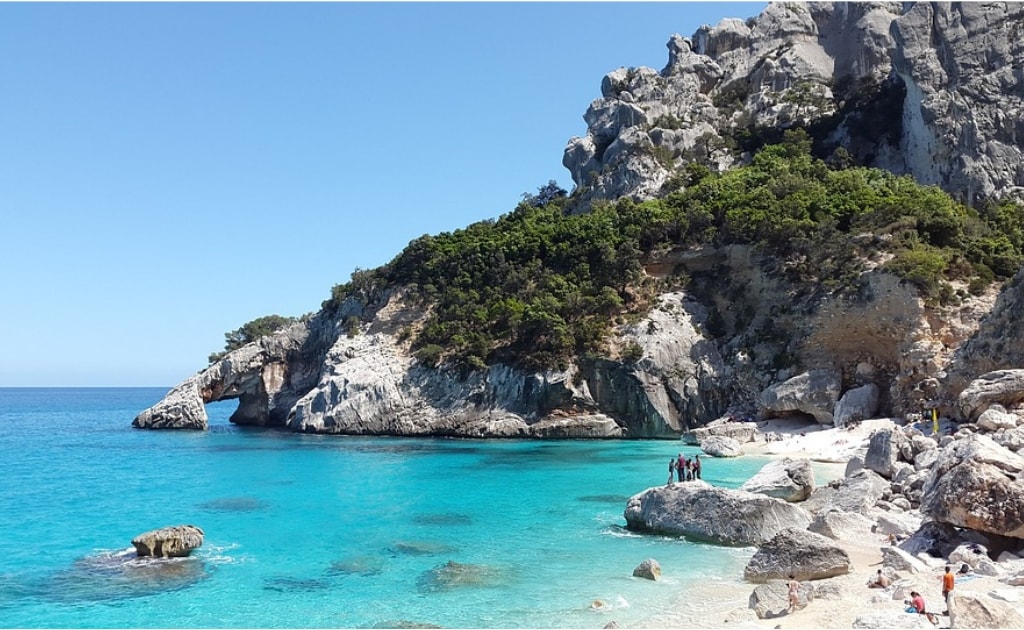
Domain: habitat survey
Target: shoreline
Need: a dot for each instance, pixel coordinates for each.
(846, 597)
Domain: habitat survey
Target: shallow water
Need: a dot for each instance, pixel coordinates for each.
(327, 531)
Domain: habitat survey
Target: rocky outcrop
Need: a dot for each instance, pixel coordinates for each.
(841, 526)
(721, 446)
(813, 393)
(1005, 387)
(787, 479)
(316, 378)
(169, 542)
(977, 610)
(927, 89)
(742, 432)
(267, 377)
(977, 484)
(797, 552)
(718, 515)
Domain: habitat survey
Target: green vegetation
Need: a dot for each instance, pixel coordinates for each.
(538, 286)
(251, 331)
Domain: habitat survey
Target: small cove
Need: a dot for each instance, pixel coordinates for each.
(329, 531)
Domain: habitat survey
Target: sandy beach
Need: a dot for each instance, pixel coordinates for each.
(725, 604)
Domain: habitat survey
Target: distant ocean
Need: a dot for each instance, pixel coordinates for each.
(324, 531)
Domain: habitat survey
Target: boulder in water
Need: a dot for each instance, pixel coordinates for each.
(169, 542)
(649, 569)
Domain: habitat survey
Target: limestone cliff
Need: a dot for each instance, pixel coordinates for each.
(932, 90)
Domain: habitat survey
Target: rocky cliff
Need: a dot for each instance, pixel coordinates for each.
(933, 90)
(927, 89)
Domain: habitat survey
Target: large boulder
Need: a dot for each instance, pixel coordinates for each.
(995, 418)
(721, 446)
(719, 515)
(169, 542)
(787, 479)
(1005, 387)
(975, 483)
(814, 393)
(884, 451)
(977, 610)
(742, 432)
(899, 560)
(845, 526)
(649, 569)
(771, 600)
(856, 405)
(797, 552)
(858, 493)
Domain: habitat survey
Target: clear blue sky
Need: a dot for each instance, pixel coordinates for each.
(169, 172)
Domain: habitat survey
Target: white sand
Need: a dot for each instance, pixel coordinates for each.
(725, 604)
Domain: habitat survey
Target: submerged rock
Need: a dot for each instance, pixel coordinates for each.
(122, 575)
(421, 548)
(452, 575)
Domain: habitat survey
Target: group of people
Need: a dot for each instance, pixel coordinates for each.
(686, 469)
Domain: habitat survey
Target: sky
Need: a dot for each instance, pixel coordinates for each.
(171, 171)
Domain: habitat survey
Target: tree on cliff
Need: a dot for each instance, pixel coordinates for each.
(251, 331)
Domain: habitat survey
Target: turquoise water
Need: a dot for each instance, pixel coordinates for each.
(327, 531)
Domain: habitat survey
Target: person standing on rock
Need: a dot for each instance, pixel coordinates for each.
(671, 470)
(681, 467)
(948, 581)
(696, 466)
(794, 593)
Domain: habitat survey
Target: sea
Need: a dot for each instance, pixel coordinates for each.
(309, 531)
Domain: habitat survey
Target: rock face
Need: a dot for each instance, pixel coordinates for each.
(976, 483)
(787, 479)
(804, 554)
(704, 512)
(927, 89)
(169, 542)
(814, 393)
